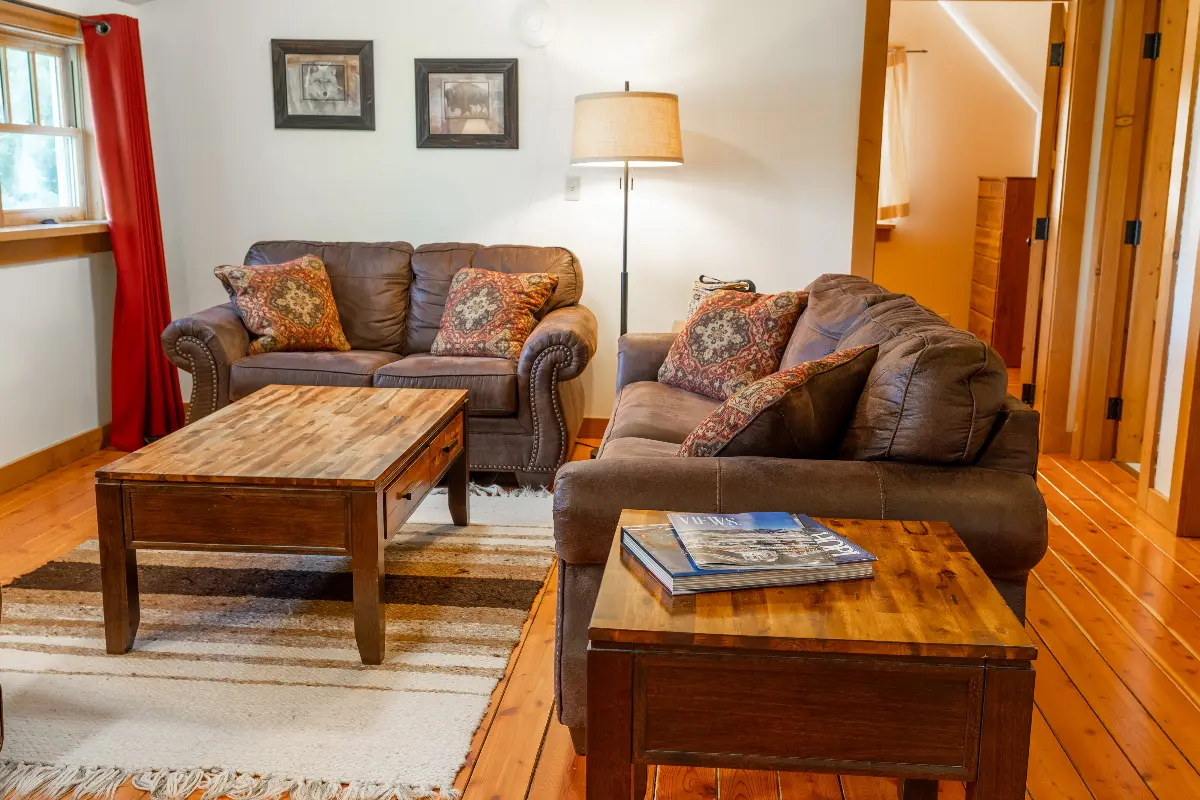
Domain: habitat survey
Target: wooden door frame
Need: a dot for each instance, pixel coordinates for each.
(1076, 116)
(1175, 510)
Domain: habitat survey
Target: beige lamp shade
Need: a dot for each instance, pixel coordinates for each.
(638, 128)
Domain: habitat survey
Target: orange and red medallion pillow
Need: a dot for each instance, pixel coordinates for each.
(732, 340)
(801, 412)
(491, 313)
(286, 306)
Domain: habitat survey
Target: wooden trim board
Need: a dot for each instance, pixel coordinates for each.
(28, 251)
(38, 21)
(870, 138)
(593, 427)
(51, 458)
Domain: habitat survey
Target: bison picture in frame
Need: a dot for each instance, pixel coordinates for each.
(324, 84)
(470, 102)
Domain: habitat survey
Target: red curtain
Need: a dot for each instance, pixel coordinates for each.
(146, 401)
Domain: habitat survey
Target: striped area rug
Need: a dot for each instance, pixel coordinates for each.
(245, 681)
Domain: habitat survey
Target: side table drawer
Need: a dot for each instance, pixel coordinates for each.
(831, 714)
(446, 445)
(406, 492)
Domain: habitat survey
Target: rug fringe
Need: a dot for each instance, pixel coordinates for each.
(22, 781)
(496, 490)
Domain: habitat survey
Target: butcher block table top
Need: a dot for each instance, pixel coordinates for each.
(297, 436)
(929, 597)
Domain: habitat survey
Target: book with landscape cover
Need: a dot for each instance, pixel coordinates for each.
(661, 552)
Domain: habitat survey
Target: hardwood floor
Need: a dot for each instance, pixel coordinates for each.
(1114, 609)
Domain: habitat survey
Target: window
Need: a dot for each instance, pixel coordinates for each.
(42, 173)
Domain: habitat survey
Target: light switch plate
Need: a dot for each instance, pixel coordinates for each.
(573, 187)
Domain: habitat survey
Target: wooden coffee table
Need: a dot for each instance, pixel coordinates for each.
(289, 469)
(922, 673)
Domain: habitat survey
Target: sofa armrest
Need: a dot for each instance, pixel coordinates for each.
(1013, 443)
(205, 344)
(640, 355)
(999, 515)
(572, 331)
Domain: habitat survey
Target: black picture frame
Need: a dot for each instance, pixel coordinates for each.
(503, 141)
(364, 121)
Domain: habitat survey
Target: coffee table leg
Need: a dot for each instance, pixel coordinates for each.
(118, 571)
(910, 789)
(366, 561)
(459, 479)
(609, 725)
(1004, 746)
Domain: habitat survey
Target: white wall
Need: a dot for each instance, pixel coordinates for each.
(56, 336)
(769, 106)
(965, 121)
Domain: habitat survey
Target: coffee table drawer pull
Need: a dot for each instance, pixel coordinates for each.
(450, 447)
(407, 495)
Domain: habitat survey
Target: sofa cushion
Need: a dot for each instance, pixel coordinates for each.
(888, 319)
(634, 447)
(434, 265)
(287, 307)
(491, 383)
(933, 397)
(653, 410)
(834, 303)
(352, 368)
(491, 314)
(370, 282)
(800, 412)
(733, 340)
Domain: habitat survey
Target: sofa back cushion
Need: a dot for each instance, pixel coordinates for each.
(933, 397)
(834, 303)
(434, 266)
(370, 280)
(888, 319)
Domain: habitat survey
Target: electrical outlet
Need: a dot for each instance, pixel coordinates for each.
(573, 187)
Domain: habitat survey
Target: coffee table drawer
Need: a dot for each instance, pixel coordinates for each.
(808, 713)
(406, 492)
(447, 445)
(231, 518)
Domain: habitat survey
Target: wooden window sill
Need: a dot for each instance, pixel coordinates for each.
(23, 244)
(883, 231)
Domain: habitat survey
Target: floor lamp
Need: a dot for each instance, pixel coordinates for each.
(626, 129)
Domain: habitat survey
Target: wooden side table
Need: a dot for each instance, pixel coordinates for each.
(922, 673)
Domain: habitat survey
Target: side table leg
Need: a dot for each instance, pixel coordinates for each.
(1004, 745)
(609, 725)
(910, 789)
(118, 571)
(366, 561)
(458, 479)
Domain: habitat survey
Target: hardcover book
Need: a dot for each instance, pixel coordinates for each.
(767, 540)
(660, 552)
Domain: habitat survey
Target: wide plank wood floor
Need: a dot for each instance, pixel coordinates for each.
(1114, 609)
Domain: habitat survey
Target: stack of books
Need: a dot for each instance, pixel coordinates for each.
(721, 552)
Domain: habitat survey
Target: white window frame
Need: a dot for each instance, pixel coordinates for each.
(74, 98)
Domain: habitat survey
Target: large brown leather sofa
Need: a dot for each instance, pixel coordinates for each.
(524, 415)
(935, 436)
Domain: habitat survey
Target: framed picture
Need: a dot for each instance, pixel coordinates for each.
(323, 84)
(470, 102)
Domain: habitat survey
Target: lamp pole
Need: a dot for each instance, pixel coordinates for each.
(625, 250)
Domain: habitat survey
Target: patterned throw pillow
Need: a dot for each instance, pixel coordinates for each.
(491, 313)
(802, 412)
(287, 306)
(733, 339)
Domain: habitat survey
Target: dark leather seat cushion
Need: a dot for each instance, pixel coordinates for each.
(835, 302)
(633, 447)
(652, 410)
(933, 397)
(352, 368)
(370, 280)
(491, 383)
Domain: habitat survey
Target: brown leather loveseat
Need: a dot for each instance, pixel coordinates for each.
(935, 436)
(524, 415)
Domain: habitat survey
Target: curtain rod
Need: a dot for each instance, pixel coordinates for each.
(102, 28)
